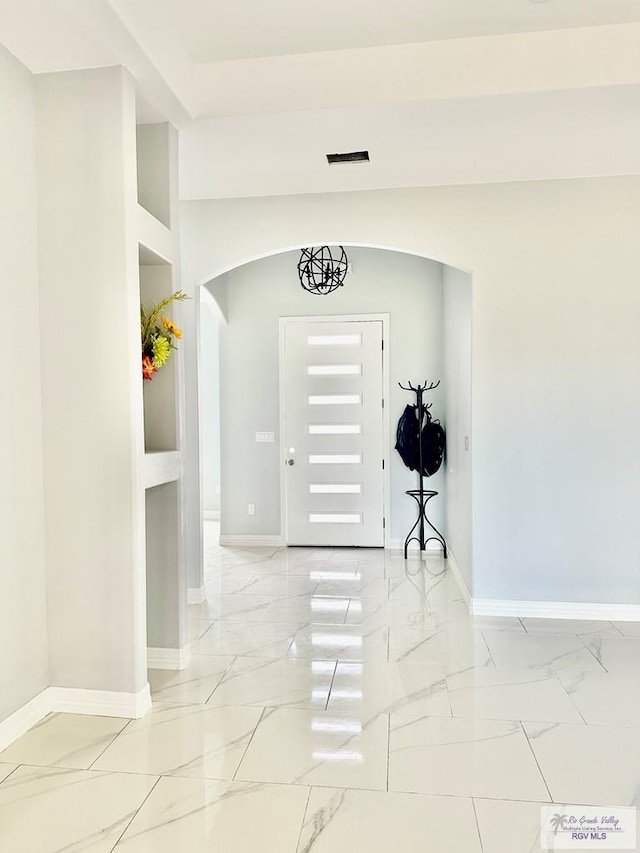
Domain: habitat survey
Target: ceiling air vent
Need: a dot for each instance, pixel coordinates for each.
(350, 157)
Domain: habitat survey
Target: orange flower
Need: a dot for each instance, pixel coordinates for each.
(171, 327)
(148, 368)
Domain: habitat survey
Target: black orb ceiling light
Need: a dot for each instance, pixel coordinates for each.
(322, 269)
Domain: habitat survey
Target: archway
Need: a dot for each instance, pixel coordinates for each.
(454, 407)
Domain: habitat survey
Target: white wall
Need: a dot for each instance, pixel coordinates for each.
(556, 356)
(209, 410)
(512, 137)
(23, 618)
(92, 400)
(408, 288)
(456, 293)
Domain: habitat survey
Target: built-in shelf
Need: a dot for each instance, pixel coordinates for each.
(155, 236)
(147, 258)
(161, 467)
(156, 146)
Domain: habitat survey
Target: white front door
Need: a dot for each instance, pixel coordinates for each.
(332, 436)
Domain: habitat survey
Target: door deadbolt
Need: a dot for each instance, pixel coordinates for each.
(291, 461)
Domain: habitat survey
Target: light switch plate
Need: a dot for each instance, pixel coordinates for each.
(265, 437)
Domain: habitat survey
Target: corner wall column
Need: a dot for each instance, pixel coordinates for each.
(92, 400)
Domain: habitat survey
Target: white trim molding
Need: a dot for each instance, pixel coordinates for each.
(196, 595)
(211, 515)
(459, 578)
(251, 541)
(555, 609)
(596, 611)
(19, 723)
(73, 700)
(169, 658)
(100, 703)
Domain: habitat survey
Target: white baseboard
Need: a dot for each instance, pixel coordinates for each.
(100, 703)
(211, 515)
(73, 700)
(555, 610)
(169, 658)
(250, 541)
(23, 719)
(459, 578)
(543, 609)
(196, 595)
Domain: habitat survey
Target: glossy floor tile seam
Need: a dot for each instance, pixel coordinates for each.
(540, 625)
(94, 770)
(338, 619)
(295, 784)
(490, 719)
(136, 813)
(304, 820)
(569, 696)
(597, 645)
(573, 645)
(253, 734)
(158, 776)
(274, 783)
(535, 758)
(327, 787)
(10, 774)
(492, 660)
(333, 681)
(477, 822)
(219, 682)
(584, 640)
(279, 689)
(117, 735)
(214, 623)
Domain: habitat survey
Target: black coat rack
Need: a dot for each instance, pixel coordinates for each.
(421, 495)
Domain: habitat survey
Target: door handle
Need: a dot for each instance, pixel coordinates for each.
(291, 461)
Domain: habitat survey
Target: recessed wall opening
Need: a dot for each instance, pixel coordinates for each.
(429, 337)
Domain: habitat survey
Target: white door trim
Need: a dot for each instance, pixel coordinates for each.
(386, 425)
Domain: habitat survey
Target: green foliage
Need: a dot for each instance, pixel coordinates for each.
(149, 320)
(157, 332)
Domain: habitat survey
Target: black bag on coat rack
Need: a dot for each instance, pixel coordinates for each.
(411, 434)
(420, 441)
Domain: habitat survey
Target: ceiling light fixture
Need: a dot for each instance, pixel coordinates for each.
(322, 269)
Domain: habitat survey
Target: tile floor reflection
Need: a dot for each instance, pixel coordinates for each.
(340, 700)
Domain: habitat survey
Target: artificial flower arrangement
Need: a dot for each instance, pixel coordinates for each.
(158, 333)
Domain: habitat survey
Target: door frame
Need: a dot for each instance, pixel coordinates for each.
(386, 423)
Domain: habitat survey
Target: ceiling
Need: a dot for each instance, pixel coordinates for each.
(200, 58)
(216, 30)
(439, 91)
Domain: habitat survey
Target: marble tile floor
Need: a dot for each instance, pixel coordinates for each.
(340, 700)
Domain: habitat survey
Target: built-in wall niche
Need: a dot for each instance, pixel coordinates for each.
(154, 143)
(161, 420)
